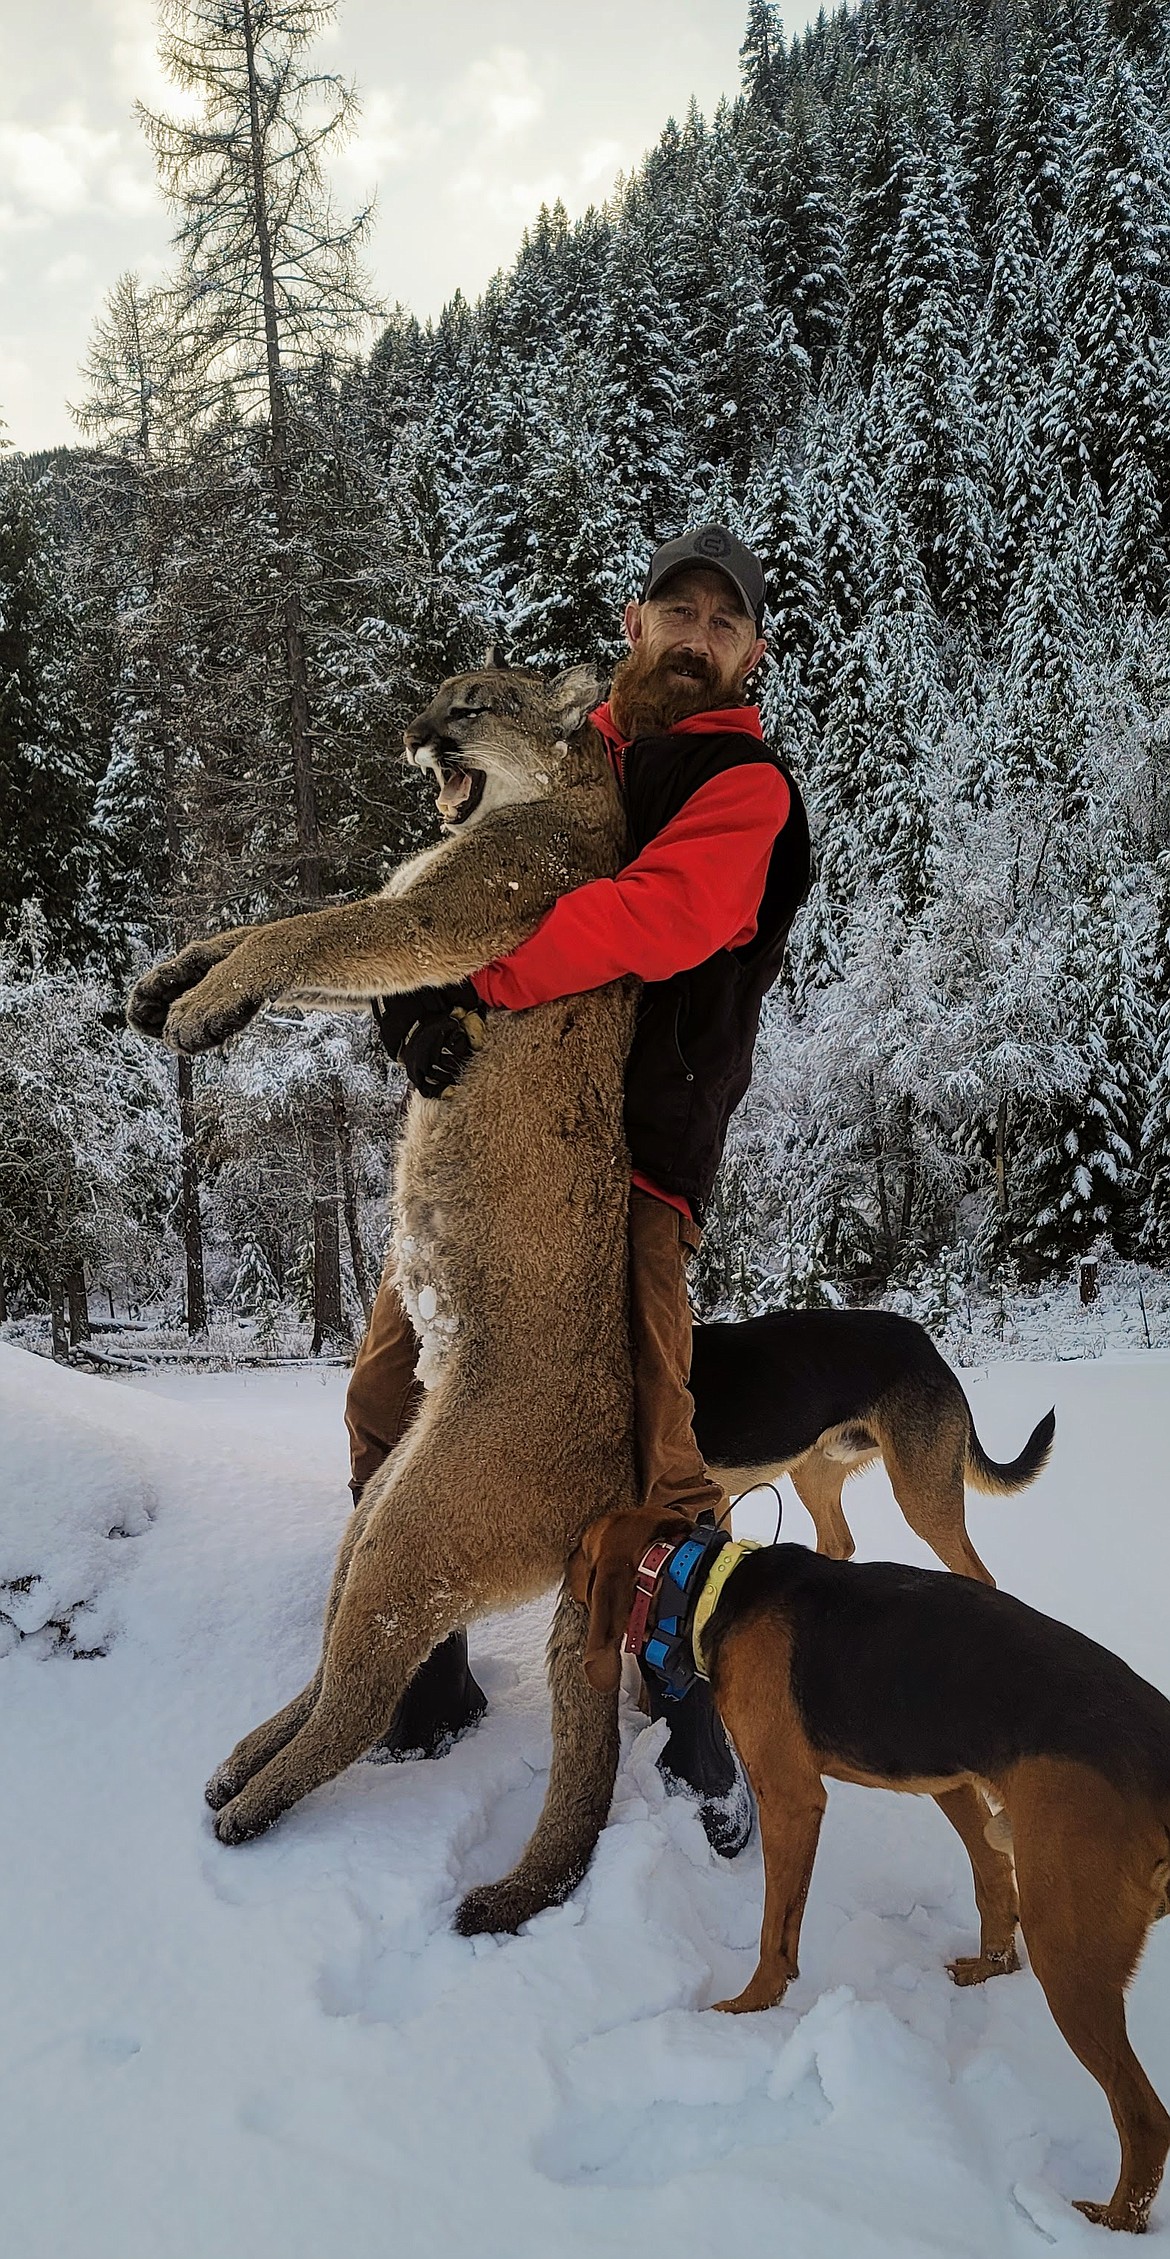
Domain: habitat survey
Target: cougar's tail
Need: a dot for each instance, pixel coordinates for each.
(580, 1789)
(998, 1482)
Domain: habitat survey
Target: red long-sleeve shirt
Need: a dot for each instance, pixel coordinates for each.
(696, 887)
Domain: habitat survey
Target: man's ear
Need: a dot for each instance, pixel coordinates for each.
(574, 695)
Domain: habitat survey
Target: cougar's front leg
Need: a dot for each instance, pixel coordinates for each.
(579, 1794)
(457, 916)
(264, 1741)
(151, 998)
(389, 1617)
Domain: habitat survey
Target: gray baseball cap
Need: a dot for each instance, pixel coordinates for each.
(717, 549)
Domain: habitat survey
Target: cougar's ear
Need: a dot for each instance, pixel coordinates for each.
(574, 695)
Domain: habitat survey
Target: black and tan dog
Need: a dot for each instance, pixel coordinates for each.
(819, 1394)
(907, 1679)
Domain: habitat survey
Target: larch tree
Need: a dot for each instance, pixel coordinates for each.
(268, 277)
(128, 409)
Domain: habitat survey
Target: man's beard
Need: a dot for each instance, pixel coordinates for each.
(645, 697)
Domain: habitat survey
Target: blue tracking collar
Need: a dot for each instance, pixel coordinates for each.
(668, 1650)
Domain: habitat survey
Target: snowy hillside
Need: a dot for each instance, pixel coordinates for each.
(283, 2050)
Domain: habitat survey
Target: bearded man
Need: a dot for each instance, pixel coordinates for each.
(701, 915)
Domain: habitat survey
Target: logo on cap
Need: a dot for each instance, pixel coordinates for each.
(713, 543)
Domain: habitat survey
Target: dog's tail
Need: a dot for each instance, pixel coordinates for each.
(999, 1481)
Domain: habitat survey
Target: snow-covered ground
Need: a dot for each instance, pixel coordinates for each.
(280, 2050)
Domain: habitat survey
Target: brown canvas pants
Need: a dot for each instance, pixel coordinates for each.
(383, 1392)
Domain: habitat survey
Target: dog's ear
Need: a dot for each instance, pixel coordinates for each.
(611, 1597)
(574, 695)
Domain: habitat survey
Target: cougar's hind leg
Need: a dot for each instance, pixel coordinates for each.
(818, 1483)
(580, 1789)
(258, 1747)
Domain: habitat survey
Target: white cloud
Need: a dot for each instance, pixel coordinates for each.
(54, 170)
(498, 90)
(384, 138)
(74, 267)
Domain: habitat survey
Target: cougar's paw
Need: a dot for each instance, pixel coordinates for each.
(219, 1007)
(976, 1968)
(151, 998)
(220, 1788)
(238, 1821)
(499, 1908)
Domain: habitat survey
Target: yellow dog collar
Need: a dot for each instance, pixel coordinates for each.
(727, 1559)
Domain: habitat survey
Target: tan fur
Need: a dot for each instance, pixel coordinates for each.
(510, 1209)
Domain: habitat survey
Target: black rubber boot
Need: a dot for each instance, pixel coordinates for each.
(699, 1756)
(440, 1703)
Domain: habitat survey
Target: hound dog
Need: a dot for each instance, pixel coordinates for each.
(937, 1685)
(819, 1394)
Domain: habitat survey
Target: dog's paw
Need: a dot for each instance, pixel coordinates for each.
(1129, 2219)
(976, 1968)
(754, 1997)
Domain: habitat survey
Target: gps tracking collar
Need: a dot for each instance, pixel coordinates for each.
(675, 1594)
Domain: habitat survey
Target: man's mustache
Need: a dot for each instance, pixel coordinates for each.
(683, 662)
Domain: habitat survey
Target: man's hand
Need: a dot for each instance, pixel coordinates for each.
(447, 1028)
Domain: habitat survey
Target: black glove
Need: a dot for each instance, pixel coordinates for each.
(446, 1027)
(396, 1015)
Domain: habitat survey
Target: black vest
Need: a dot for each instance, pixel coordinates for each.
(691, 1059)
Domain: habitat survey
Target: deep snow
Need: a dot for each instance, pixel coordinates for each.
(282, 2049)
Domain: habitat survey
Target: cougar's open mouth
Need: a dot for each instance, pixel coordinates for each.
(462, 790)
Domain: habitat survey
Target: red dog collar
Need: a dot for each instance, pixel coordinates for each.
(650, 1568)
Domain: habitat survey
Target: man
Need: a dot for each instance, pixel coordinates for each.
(701, 915)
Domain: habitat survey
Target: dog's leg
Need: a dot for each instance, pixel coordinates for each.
(818, 1484)
(753, 1693)
(995, 1890)
(1089, 1868)
(257, 1747)
(580, 1789)
(926, 1477)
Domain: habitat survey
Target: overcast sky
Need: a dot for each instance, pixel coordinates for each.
(474, 113)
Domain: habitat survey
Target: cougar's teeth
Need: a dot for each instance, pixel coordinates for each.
(456, 789)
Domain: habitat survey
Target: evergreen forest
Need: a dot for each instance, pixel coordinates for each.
(900, 315)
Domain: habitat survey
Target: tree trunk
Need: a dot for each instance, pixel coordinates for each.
(327, 1310)
(910, 1174)
(78, 1305)
(57, 1322)
(3, 1297)
(1001, 1122)
(882, 1192)
(357, 1254)
(189, 1197)
(328, 1316)
(304, 786)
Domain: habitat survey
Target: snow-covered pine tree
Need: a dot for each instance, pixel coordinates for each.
(48, 769)
(883, 173)
(1078, 1179)
(1109, 406)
